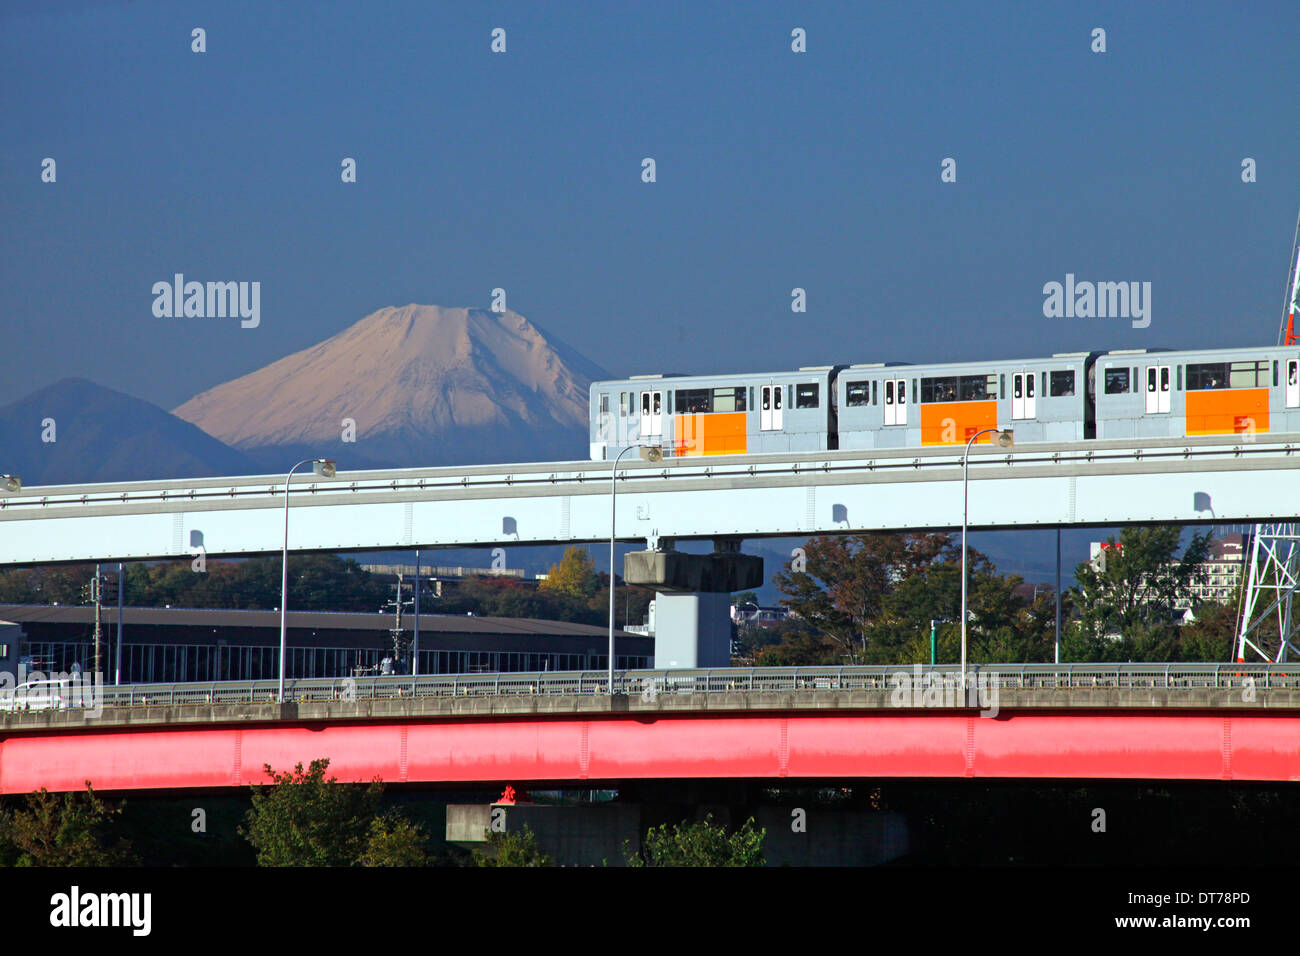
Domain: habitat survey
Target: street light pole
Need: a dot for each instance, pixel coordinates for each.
(325, 468)
(649, 453)
(1006, 438)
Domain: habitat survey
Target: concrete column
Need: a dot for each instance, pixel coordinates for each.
(693, 601)
(692, 630)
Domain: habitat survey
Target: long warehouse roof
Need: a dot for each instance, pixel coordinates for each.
(207, 617)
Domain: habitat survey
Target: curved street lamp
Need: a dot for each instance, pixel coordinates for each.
(1006, 439)
(326, 469)
(650, 453)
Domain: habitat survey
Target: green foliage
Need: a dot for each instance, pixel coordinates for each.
(317, 582)
(790, 644)
(845, 580)
(395, 841)
(68, 830)
(1128, 609)
(871, 598)
(307, 820)
(1212, 636)
(700, 844)
(512, 849)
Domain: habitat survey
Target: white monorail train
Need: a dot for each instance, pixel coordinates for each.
(1073, 396)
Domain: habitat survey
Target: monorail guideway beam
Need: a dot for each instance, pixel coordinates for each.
(693, 599)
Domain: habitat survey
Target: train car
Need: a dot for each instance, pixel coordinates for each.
(1160, 394)
(695, 415)
(912, 406)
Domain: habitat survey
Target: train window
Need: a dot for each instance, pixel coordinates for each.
(692, 401)
(807, 395)
(729, 399)
(645, 403)
(875, 394)
(1002, 385)
(939, 390)
(604, 403)
(858, 393)
(1178, 387)
(1248, 375)
(623, 403)
(913, 391)
(751, 396)
(1117, 381)
(975, 388)
(1275, 373)
(789, 396)
(1062, 384)
(1206, 376)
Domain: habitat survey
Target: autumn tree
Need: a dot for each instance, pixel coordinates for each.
(574, 574)
(839, 584)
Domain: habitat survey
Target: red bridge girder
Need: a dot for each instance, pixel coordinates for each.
(1086, 745)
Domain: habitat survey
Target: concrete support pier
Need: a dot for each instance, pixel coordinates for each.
(693, 600)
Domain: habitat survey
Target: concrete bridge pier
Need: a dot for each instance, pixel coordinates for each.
(693, 599)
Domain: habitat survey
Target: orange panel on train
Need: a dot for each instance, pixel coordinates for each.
(1227, 411)
(952, 423)
(719, 433)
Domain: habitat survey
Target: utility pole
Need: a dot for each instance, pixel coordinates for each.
(117, 652)
(415, 644)
(96, 595)
(396, 631)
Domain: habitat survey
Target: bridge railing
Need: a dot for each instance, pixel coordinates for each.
(650, 684)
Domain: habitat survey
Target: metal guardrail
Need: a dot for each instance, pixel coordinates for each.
(653, 683)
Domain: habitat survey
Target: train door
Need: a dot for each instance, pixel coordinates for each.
(1157, 389)
(1024, 404)
(1293, 383)
(652, 418)
(770, 417)
(896, 401)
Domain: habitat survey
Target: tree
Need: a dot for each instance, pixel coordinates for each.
(788, 645)
(575, 574)
(841, 585)
(395, 841)
(700, 844)
(68, 830)
(512, 849)
(307, 820)
(1129, 607)
(1212, 637)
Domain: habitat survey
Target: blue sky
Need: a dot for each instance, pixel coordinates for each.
(775, 170)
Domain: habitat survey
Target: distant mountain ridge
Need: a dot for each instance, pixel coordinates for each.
(421, 385)
(104, 435)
